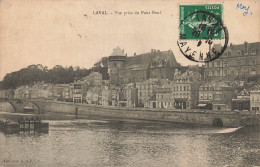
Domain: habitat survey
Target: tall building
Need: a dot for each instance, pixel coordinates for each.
(255, 99)
(146, 91)
(185, 89)
(138, 68)
(237, 60)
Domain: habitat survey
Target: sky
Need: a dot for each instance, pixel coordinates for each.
(67, 33)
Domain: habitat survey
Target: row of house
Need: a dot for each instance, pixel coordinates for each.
(156, 80)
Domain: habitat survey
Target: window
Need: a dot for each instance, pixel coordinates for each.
(229, 53)
(253, 68)
(218, 63)
(253, 51)
(253, 63)
(218, 73)
(225, 72)
(239, 63)
(207, 65)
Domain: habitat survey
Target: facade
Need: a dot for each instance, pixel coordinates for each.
(237, 60)
(115, 95)
(139, 68)
(216, 96)
(163, 97)
(185, 89)
(242, 101)
(68, 93)
(77, 93)
(7, 93)
(131, 95)
(22, 92)
(255, 99)
(146, 91)
(106, 96)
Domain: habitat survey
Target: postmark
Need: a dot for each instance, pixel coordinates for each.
(203, 36)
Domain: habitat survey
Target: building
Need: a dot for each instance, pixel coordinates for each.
(68, 93)
(163, 97)
(106, 96)
(255, 99)
(22, 92)
(242, 101)
(115, 95)
(77, 92)
(138, 68)
(146, 91)
(185, 89)
(216, 96)
(131, 94)
(237, 60)
(58, 91)
(9, 94)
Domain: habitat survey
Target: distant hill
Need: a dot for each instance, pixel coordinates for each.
(56, 75)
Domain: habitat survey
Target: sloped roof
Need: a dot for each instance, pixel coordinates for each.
(256, 88)
(143, 60)
(243, 93)
(241, 47)
(117, 52)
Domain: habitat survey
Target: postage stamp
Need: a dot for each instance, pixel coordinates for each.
(203, 36)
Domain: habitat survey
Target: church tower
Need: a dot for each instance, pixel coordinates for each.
(116, 62)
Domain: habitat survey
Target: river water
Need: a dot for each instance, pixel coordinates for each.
(103, 142)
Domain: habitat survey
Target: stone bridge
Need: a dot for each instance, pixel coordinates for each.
(206, 117)
(19, 104)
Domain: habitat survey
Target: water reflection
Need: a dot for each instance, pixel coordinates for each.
(106, 142)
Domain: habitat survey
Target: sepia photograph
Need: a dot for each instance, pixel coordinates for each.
(129, 83)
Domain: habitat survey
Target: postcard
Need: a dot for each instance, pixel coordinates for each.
(129, 83)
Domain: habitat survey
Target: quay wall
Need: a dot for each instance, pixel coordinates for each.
(229, 118)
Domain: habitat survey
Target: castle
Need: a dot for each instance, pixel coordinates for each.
(138, 68)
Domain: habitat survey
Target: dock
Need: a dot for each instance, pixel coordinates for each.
(17, 122)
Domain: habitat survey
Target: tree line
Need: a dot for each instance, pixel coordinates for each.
(57, 75)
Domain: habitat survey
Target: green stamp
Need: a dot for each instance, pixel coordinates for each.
(201, 21)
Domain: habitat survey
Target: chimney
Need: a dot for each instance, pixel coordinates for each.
(158, 51)
(231, 46)
(151, 50)
(246, 47)
(135, 54)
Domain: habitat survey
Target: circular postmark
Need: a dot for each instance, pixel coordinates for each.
(203, 36)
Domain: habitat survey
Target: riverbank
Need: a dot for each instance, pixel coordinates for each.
(204, 117)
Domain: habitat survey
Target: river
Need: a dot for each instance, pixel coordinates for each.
(103, 142)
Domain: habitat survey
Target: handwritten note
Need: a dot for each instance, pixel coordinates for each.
(243, 8)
